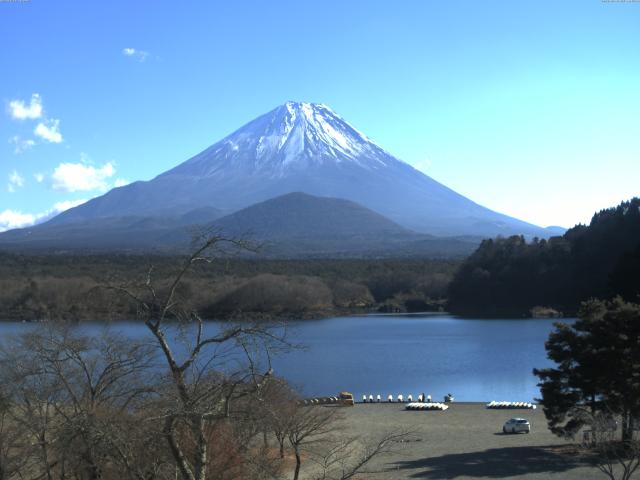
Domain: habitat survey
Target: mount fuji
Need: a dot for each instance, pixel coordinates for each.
(297, 147)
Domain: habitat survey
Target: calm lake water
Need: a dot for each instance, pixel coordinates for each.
(475, 360)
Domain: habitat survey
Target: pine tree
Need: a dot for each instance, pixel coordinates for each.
(598, 368)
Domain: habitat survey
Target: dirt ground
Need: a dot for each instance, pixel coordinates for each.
(466, 442)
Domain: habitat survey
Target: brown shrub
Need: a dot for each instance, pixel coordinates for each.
(277, 294)
(351, 295)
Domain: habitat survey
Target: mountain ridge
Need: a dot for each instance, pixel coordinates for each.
(309, 148)
(296, 147)
(293, 225)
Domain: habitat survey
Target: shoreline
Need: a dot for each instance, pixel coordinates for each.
(289, 317)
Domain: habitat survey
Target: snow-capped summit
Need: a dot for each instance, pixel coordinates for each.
(302, 147)
(294, 136)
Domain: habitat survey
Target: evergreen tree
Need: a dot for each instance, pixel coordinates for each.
(510, 276)
(598, 368)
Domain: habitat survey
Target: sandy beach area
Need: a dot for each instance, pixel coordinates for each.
(466, 442)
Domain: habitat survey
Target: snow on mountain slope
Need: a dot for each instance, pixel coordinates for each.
(293, 137)
(303, 147)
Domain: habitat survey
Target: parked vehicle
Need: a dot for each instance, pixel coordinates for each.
(517, 425)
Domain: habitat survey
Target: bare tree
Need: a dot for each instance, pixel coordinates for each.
(209, 371)
(277, 406)
(193, 400)
(348, 457)
(31, 396)
(308, 427)
(617, 459)
(78, 399)
(316, 432)
(12, 446)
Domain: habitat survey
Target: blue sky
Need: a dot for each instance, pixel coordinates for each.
(529, 108)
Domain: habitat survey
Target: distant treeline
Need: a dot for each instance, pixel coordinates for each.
(509, 276)
(505, 276)
(71, 287)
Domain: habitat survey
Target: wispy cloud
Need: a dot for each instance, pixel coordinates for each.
(10, 219)
(49, 131)
(39, 177)
(139, 55)
(76, 177)
(423, 165)
(121, 182)
(15, 181)
(60, 207)
(20, 144)
(20, 110)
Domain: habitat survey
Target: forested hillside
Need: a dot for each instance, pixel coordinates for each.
(510, 276)
(52, 287)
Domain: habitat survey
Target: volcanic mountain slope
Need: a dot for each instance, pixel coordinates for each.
(132, 233)
(292, 225)
(298, 224)
(299, 215)
(301, 147)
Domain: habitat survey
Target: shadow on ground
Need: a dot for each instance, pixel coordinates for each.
(494, 463)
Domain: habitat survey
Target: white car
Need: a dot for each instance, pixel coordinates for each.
(517, 425)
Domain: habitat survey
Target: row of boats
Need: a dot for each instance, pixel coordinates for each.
(320, 401)
(427, 406)
(510, 405)
(422, 403)
(402, 399)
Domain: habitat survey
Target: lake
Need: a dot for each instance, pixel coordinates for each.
(474, 359)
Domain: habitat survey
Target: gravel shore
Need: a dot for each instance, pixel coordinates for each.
(466, 442)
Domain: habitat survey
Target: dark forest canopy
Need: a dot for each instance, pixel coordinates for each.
(510, 276)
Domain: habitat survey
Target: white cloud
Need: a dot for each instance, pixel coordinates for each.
(15, 181)
(75, 177)
(39, 177)
(20, 144)
(21, 111)
(10, 219)
(49, 131)
(13, 219)
(60, 207)
(140, 55)
(121, 182)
